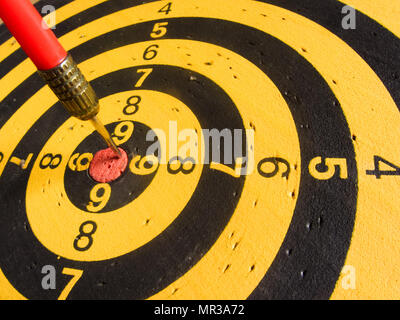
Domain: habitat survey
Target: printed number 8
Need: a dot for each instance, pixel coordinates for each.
(83, 234)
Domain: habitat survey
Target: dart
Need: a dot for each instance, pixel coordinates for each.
(259, 142)
(56, 67)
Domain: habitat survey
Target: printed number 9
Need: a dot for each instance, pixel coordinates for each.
(100, 194)
(138, 165)
(123, 132)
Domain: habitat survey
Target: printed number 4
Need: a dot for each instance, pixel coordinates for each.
(166, 9)
(377, 172)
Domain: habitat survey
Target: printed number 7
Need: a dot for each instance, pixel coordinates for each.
(77, 274)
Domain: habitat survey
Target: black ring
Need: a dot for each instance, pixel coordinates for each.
(301, 287)
(207, 212)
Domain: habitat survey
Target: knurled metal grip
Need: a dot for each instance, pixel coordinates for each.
(72, 89)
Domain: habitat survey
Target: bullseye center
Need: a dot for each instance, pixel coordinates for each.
(106, 166)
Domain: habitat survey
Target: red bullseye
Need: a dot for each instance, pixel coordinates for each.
(106, 166)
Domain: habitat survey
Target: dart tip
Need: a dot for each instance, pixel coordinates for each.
(114, 148)
(101, 129)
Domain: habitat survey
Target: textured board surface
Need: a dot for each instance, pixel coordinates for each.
(318, 217)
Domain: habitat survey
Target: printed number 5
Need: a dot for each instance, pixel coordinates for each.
(159, 30)
(331, 163)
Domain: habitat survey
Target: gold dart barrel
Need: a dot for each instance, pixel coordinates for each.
(77, 95)
(72, 89)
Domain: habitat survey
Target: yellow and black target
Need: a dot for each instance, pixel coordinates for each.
(317, 217)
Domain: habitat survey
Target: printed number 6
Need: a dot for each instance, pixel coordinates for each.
(150, 54)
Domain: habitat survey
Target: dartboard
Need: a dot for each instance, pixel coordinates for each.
(306, 207)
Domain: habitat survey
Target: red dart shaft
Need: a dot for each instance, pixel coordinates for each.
(25, 24)
(55, 65)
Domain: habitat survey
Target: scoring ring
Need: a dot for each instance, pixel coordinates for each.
(352, 167)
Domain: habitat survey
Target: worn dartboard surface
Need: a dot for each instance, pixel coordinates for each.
(323, 104)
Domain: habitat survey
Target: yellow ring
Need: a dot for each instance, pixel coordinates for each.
(265, 196)
(356, 85)
(55, 220)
